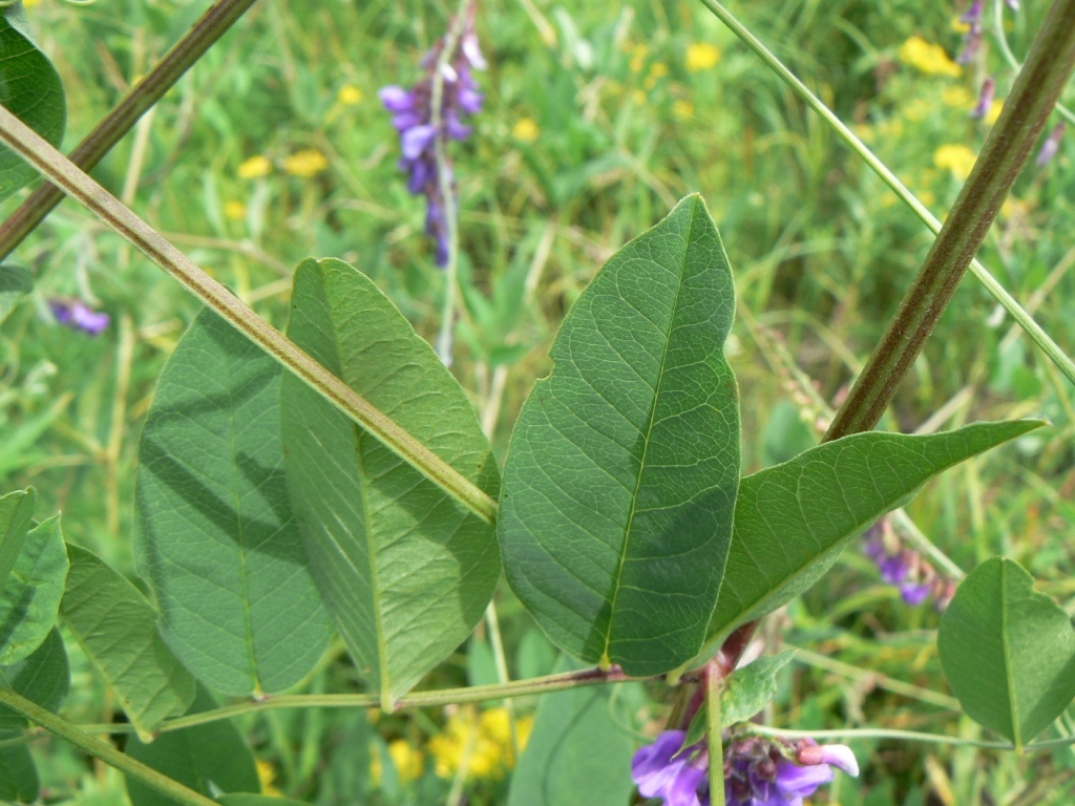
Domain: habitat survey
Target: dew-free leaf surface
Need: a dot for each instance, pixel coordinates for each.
(405, 570)
(16, 517)
(1008, 651)
(215, 536)
(619, 489)
(18, 774)
(44, 678)
(793, 520)
(30, 597)
(117, 630)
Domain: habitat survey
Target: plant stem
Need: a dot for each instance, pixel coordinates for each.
(998, 292)
(714, 682)
(102, 750)
(1032, 100)
(143, 95)
(446, 181)
(46, 159)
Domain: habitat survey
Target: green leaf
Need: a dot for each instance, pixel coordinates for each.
(44, 678)
(31, 595)
(793, 520)
(31, 89)
(750, 688)
(18, 775)
(215, 536)
(209, 759)
(1008, 651)
(579, 752)
(16, 516)
(117, 629)
(15, 283)
(245, 799)
(620, 484)
(405, 570)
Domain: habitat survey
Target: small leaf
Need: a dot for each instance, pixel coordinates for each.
(750, 688)
(44, 678)
(117, 629)
(405, 570)
(579, 752)
(31, 89)
(215, 537)
(16, 517)
(621, 476)
(245, 799)
(18, 775)
(15, 283)
(1008, 651)
(207, 758)
(793, 520)
(31, 596)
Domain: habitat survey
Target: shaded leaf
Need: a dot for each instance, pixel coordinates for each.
(30, 598)
(1008, 651)
(621, 476)
(16, 517)
(117, 629)
(18, 775)
(793, 520)
(405, 570)
(209, 759)
(31, 89)
(215, 539)
(44, 678)
(579, 752)
(15, 283)
(750, 688)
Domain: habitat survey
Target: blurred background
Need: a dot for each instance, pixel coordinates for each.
(596, 120)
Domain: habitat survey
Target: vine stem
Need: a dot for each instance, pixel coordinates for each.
(111, 129)
(102, 750)
(992, 285)
(50, 162)
(905, 735)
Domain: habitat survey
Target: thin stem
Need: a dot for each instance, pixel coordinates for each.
(31, 147)
(143, 95)
(714, 732)
(1009, 57)
(446, 182)
(998, 292)
(102, 750)
(905, 735)
(1032, 100)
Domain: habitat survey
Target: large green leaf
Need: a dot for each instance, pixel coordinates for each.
(30, 598)
(16, 517)
(18, 775)
(793, 520)
(620, 483)
(216, 540)
(405, 570)
(117, 629)
(209, 759)
(44, 678)
(579, 752)
(1008, 651)
(31, 89)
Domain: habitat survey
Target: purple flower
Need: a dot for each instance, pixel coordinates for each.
(76, 315)
(971, 42)
(916, 578)
(985, 99)
(412, 116)
(662, 771)
(973, 14)
(1051, 146)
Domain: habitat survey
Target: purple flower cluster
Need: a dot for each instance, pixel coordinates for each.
(985, 99)
(757, 772)
(972, 39)
(1051, 146)
(413, 117)
(916, 578)
(77, 315)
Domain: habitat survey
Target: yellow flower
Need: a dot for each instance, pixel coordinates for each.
(407, 760)
(701, 56)
(959, 26)
(683, 109)
(255, 167)
(639, 97)
(928, 58)
(30, 3)
(958, 97)
(349, 95)
(525, 130)
(638, 58)
(485, 741)
(235, 210)
(956, 158)
(267, 778)
(306, 163)
(995, 108)
(917, 109)
(658, 70)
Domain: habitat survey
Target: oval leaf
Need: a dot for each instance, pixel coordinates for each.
(18, 775)
(31, 89)
(405, 570)
(44, 678)
(30, 598)
(793, 520)
(16, 517)
(117, 629)
(215, 539)
(1008, 651)
(621, 477)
